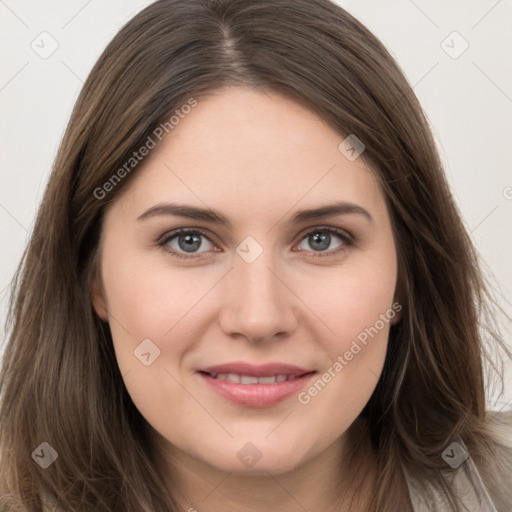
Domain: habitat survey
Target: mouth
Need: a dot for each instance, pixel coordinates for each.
(255, 386)
(252, 379)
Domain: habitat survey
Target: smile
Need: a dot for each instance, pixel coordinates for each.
(251, 379)
(255, 392)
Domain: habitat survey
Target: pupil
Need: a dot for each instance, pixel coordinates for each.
(322, 239)
(191, 242)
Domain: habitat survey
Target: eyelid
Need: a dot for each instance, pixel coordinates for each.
(174, 232)
(330, 229)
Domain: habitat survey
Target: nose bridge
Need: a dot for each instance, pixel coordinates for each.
(258, 304)
(259, 281)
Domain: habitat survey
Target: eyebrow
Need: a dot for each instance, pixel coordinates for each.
(209, 215)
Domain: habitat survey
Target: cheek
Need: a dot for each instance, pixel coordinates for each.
(152, 301)
(153, 314)
(349, 298)
(345, 383)
(357, 306)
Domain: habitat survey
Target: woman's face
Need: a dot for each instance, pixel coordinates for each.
(259, 282)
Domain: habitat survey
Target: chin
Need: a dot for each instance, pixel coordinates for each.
(249, 459)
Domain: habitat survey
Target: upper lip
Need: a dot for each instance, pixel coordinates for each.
(264, 370)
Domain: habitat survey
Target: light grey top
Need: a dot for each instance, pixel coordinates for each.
(465, 480)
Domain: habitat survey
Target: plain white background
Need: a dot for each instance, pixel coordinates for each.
(456, 54)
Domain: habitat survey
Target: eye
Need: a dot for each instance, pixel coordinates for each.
(185, 241)
(320, 240)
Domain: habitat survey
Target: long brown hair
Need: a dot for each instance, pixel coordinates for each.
(60, 383)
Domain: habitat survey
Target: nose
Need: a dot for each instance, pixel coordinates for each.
(258, 303)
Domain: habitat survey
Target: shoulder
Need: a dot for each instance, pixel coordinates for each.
(500, 427)
(497, 470)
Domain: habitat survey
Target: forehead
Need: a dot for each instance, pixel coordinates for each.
(254, 152)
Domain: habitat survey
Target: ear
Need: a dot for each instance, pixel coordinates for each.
(398, 311)
(398, 300)
(98, 297)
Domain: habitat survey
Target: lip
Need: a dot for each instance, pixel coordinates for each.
(256, 395)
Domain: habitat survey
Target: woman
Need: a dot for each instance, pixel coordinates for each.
(179, 341)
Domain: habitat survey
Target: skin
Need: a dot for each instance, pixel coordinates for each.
(257, 158)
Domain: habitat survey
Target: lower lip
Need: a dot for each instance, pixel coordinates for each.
(256, 395)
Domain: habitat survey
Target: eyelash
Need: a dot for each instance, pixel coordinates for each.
(347, 242)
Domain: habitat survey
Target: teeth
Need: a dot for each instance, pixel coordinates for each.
(250, 379)
(267, 380)
(245, 379)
